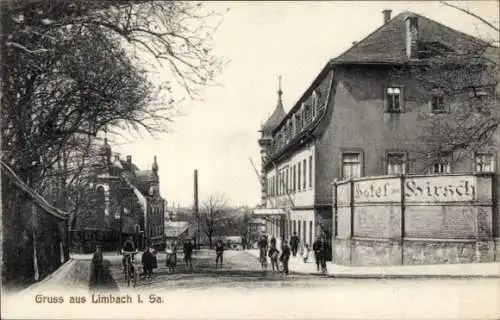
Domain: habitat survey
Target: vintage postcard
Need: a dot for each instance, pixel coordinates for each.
(250, 160)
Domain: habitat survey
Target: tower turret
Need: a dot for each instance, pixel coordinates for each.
(266, 139)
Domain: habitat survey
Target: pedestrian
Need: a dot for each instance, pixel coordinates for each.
(219, 252)
(171, 257)
(274, 255)
(305, 253)
(188, 251)
(148, 262)
(323, 253)
(294, 243)
(97, 264)
(263, 252)
(285, 256)
(273, 241)
(317, 252)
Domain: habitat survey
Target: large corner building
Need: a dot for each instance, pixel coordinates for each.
(355, 119)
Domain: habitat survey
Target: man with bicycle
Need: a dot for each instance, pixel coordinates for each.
(128, 251)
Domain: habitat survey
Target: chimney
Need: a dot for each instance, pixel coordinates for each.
(354, 43)
(129, 159)
(387, 15)
(411, 31)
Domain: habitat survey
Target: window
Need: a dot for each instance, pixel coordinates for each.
(310, 232)
(351, 165)
(298, 177)
(299, 225)
(314, 103)
(484, 162)
(298, 123)
(287, 188)
(294, 178)
(441, 165)
(304, 234)
(437, 102)
(481, 99)
(394, 99)
(305, 174)
(307, 114)
(310, 171)
(294, 226)
(396, 163)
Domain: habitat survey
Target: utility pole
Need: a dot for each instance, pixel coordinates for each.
(196, 206)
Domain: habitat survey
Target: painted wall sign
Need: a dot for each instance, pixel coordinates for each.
(417, 189)
(441, 189)
(381, 190)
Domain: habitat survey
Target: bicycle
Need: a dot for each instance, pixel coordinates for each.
(130, 269)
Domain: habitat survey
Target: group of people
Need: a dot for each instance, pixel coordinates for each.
(269, 249)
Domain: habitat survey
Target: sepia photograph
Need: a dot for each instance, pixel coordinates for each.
(250, 159)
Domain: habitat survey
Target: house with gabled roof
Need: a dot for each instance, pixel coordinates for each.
(360, 116)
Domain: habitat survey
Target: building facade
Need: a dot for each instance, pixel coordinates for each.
(363, 115)
(123, 202)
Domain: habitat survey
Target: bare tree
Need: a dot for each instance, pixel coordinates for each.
(461, 90)
(214, 213)
(66, 73)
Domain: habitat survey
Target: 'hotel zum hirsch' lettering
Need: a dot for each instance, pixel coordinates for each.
(441, 189)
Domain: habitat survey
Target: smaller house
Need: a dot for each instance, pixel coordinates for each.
(175, 230)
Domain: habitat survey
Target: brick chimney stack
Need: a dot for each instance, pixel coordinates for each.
(387, 15)
(411, 30)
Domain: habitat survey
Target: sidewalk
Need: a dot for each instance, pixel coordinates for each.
(466, 270)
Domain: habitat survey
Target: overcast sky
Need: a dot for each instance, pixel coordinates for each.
(262, 40)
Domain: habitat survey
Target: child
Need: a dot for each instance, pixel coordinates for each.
(305, 254)
(148, 263)
(171, 262)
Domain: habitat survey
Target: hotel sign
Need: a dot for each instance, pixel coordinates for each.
(417, 189)
(382, 190)
(441, 189)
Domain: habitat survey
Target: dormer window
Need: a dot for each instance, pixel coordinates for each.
(307, 114)
(394, 98)
(298, 123)
(314, 103)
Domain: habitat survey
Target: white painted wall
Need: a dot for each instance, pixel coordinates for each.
(302, 197)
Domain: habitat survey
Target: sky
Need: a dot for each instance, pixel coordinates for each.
(262, 40)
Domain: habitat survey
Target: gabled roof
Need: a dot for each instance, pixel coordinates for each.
(387, 44)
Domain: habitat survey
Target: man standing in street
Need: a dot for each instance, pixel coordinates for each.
(294, 243)
(323, 248)
(97, 263)
(317, 252)
(219, 251)
(285, 256)
(188, 251)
